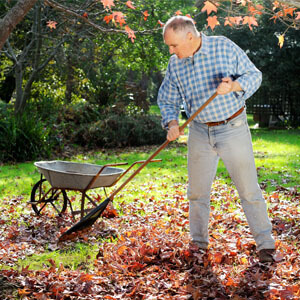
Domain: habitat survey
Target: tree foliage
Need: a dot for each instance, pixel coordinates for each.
(280, 67)
(252, 13)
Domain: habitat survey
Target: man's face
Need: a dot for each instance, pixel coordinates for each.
(179, 43)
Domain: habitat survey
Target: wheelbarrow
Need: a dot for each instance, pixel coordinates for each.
(57, 177)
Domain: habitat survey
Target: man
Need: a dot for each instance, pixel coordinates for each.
(201, 66)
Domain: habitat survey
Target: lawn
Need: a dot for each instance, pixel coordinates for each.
(276, 154)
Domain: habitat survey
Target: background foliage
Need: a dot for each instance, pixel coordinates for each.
(83, 87)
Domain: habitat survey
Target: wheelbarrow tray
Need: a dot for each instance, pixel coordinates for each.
(77, 176)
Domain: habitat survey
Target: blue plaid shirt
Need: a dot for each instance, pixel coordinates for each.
(194, 79)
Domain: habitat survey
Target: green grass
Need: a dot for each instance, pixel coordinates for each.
(277, 156)
(80, 257)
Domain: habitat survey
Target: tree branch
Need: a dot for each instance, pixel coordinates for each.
(67, 11)
(13, 17)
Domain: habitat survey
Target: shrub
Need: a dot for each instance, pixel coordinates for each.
(23, 138)
(120, 131)
(46, 128)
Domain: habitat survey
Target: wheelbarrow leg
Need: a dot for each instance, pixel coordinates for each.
(82, 205)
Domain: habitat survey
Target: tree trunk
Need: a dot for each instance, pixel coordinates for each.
(70, 81)
(13, 17)
(19, 88)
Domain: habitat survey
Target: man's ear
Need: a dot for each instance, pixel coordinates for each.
(190, 36)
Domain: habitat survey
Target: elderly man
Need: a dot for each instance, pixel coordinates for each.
(200, 66)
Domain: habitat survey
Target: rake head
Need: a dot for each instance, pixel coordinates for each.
(87, 221)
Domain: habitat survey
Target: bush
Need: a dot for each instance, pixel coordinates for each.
(23, 138)
(29, 137)
(121, 131)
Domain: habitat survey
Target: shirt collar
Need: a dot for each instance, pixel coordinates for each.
(203, 49)
(204, 45)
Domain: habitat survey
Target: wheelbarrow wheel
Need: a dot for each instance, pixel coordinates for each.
(43, 198)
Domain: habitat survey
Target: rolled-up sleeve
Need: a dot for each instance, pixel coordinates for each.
(169, 98)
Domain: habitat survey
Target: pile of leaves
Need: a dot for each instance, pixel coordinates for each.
(144, 252)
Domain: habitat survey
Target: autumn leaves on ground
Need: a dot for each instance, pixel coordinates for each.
(142, 250)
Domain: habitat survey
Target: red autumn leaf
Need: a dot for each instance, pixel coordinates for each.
(228, 22)
(230, 282)
(212, 22)
(40, 296)
(187, 253)
(130, 4)
(250, 21)
(108, 18)
(259, 7)
(110, 211)
(52, 262)
(146, 15)
(118, 17)
(24, 292)
(86, 277)
(130, 33)
(108, 3)
(209, 7)
(238, 20)
(85, 15)
(289, 11)
(136, 266)
(218, 257)
(239, 244)
(51, 24)
(255, 10)
(276, 16)
(132, 292)
(122, 249)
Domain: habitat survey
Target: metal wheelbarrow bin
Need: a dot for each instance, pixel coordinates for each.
(57, 177)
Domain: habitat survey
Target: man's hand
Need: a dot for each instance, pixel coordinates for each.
(228, 86)
(173, 131)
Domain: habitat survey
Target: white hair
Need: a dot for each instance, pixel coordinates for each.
(181, 24)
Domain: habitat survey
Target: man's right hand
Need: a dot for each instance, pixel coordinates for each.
(173, 131)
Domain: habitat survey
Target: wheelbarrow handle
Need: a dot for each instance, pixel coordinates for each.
(136, 162)
(116, 164)
(100, 171)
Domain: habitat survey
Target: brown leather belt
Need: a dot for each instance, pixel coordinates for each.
(227, 120)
